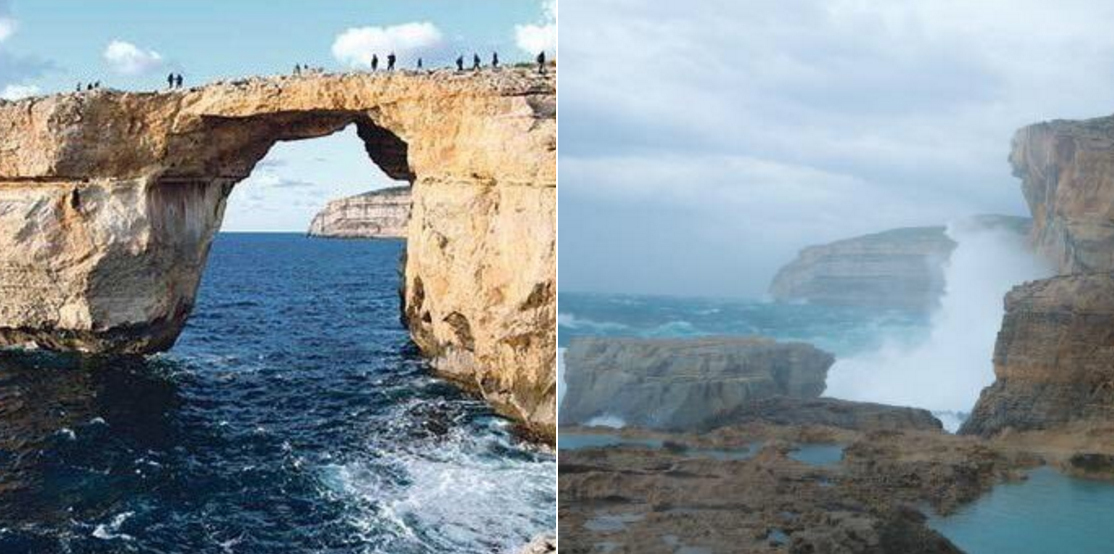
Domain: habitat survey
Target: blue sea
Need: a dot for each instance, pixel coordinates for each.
(293, 415)
(1047, 513)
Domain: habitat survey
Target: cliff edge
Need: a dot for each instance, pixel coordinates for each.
(382, 213)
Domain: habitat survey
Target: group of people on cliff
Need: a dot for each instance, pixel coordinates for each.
(174, 81)
(392, 59)
(90, 86)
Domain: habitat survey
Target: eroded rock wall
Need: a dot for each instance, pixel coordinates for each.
(1054, 357)
(109, 202)
(383, 213)
(684, 383)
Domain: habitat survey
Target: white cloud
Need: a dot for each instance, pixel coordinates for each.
(357, 45)
(536, 38)
(15, 92)
(128, 59)
(7, 28)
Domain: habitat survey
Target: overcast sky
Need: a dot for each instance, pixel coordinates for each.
(48, 46)
(704, 142)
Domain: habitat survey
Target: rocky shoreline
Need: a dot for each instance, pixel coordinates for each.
(645, 499)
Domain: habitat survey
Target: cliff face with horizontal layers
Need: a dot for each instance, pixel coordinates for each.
(109, 202)
(1054, 358)
(383, 213)
(897, 269)
(683, 383)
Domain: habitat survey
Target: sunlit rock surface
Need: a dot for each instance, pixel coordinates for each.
(683, 383)
(1054, 358)
(383, 213)
(109, 202)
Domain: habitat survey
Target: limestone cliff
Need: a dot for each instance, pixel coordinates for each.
(897, 269)
(683, 383)
(109, 201)
(1054, 358)
(382, 213)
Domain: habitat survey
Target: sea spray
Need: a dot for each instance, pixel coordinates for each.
(952, 365)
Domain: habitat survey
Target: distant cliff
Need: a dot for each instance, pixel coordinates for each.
(900, 268)
(1054, 358)
(382, 213)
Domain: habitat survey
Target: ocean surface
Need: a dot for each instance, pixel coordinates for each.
(1049, 512)
(293, 415)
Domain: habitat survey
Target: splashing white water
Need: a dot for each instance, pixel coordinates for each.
(947, 371)
(560, 378)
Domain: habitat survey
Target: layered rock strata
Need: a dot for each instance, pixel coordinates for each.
(109, 202)
(684, 383)
(895, 269)
(383, 213)
(1054, 358)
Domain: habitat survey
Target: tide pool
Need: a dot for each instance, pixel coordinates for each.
(1048, 513)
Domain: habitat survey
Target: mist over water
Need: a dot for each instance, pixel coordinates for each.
(947, 370)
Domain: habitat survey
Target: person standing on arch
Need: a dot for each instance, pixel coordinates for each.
(374, 62)
(495, 59)
(419, 64)
(475, 62)
(178, 81)
(170, 81)
(391, 61)
(460, 63)
(541, 62)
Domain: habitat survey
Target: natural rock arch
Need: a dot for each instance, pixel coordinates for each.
(109, 202)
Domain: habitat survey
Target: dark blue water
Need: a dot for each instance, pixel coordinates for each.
(293, 415)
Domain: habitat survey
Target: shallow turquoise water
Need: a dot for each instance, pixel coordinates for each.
(818, 454)
(1048, 513)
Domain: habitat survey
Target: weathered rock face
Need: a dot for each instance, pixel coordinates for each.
(1054, 359)
(899, 268)
(833, 412)
(383, 213)
(109, 202)
(896, 269)
(683, 383)
(1067, 176)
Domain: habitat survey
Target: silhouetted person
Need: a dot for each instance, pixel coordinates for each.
(374, 62)
(297, 69)
(541, 62)
(391, 61)
(97, 84)
(419, 63)
(494, 59)
(79, 87)
(89, 86)
(475, 62)
(178, 81)
(460, 63)
(170, 81)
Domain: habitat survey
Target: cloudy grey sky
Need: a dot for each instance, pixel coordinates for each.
(704, 142)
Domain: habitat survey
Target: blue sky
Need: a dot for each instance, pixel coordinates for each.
(48, 46)
(705, 142)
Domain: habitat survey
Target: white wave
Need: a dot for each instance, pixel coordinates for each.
(111, 530)
(560, 378)
(606, 420)
(572, 322)
(455, 494)
(947, 370)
